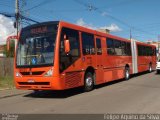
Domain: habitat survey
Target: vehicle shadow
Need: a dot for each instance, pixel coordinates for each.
(55, 93)
(157, 73)
(120, 80)
(141, 73)
(74, 91)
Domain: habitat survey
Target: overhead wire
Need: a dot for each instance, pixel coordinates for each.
(125, 2)
(6, 5)
(40, 4)
(89, 7)
(51, 11)
(98, 10)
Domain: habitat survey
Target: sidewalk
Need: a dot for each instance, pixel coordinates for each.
(12, 92)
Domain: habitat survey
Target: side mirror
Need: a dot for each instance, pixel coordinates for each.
(67, 46)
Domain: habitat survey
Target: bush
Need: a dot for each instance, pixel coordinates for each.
(6, 82)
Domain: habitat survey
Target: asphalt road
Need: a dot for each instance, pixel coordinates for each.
(140, 94)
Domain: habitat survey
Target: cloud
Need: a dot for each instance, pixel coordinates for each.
(112, 28)
(6, 28)
(81, 22)
(104, 13)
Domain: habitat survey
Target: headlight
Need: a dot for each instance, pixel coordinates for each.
(49, 73)
(18, 74)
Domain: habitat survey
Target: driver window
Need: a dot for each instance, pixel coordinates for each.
(67, 59)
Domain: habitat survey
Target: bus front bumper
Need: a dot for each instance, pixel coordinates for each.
(39, 83)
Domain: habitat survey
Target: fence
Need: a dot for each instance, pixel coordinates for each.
(6, 67)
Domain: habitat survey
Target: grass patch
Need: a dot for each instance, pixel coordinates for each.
(6, 82)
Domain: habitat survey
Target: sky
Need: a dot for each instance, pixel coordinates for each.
(141, 17)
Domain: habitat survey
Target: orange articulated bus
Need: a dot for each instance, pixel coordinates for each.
(59, 55)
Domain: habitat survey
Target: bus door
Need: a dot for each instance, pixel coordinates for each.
(99, 61)
(70, 62)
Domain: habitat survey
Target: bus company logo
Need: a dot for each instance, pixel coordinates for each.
(31, 81)
(30, 72)
(39, 30)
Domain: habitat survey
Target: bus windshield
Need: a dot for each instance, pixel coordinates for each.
(36, 50)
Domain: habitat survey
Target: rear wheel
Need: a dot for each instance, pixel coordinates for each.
(126, 73)
(150, 68)
(88, 82)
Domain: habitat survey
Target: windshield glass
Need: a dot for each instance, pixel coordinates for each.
(36, 50)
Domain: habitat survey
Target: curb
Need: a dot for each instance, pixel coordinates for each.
(11, 94)
(4, 89)
(7, 96)
(1, 89)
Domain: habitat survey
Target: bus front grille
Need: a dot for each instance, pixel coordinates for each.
(34, 83)
(33, 73)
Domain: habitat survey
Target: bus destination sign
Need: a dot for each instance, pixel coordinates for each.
(39, 30)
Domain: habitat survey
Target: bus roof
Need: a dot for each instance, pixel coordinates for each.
(40, 24)
(82, 28)
(98, 33)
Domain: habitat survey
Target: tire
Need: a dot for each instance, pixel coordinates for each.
(126, 73)
(35, 91)
(150, 68)
(88, 82)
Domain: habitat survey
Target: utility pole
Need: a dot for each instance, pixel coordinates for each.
(130, 34)
(17, 15)
(17, 24)
(158, 44)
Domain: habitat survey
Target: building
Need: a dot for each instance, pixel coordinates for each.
(157, 44)
(2, 48)
(103, 30)
(153, 43)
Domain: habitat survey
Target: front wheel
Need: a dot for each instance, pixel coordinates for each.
(126, 73)
(88, 82)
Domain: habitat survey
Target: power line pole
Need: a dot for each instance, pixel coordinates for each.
(130, 34)
(17, 15)
(17, 24)
(158, 45)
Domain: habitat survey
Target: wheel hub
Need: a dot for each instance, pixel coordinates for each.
(89, 81)
(127, 74)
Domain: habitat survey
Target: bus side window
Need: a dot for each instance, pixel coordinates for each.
(150, 51)
(110, 46)
(123, 46)
(144, 51)
(128, 49)
(117, 47)
(154, 51)
(139, 50)
(99, 48)
(88, 46)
